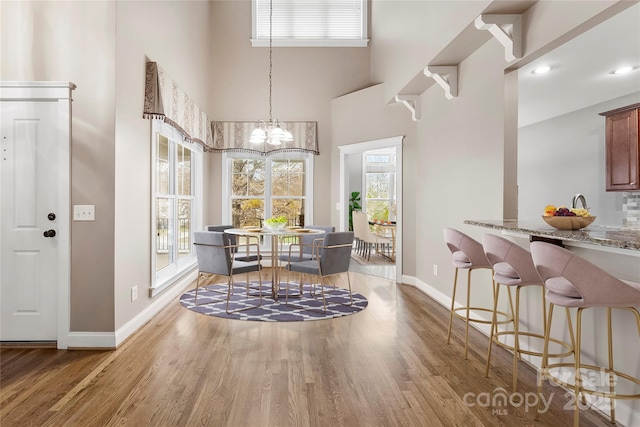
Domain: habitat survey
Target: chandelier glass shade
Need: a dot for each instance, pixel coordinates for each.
(270, 132)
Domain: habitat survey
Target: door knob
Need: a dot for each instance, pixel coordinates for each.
(49, 233)
(51, 216)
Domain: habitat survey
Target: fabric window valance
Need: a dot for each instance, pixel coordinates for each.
(164, 100)
(234, 136)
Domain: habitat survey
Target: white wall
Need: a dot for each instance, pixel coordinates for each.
(460, 156)
(172, 34)
(463, 160)
(565, 155)
(102, 46)
(365, 116)
(406, 34)
(304, 82)
(354, 176)
(75, 41)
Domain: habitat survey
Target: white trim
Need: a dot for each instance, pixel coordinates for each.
(33, 91)
(412, 102)
(91, 340)
(62, 92)
(507, 29)
(176, 289)
(225, 207)
(225, 212)
(64, 227)
(112, 340)
(446, 76)
(288, 42)
(311, 43)
(160, 282)
(360, 147)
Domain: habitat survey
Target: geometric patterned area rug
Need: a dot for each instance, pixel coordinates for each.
(299, 308)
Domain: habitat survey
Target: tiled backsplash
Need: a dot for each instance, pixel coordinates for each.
(631, 209)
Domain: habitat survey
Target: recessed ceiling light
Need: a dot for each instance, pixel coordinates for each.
(541, 70)
(622, 70)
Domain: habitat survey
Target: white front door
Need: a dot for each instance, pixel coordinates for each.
(29, 200)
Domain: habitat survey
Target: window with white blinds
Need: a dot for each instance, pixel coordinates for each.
(310, 22)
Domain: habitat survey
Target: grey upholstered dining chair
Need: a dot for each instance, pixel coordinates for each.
(573, 282)
(216, 256)
(232, 237)
(303, 251)
(332, 256)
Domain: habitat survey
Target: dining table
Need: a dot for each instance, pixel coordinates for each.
(277, 237)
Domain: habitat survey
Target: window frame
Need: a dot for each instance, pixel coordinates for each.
(168, 275)
(226, 204)
(392, 185)
(363, 41)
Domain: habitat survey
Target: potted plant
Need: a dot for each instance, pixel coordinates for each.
(354, 204)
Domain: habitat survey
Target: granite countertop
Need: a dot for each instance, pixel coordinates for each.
(617, 237)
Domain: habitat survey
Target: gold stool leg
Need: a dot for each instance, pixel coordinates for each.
(496, 292)
(545, 352)
(578, 379)
(512, 311)
(466, 330)
(573, 346)
(453, 301)
(611, 374)
(516, 340)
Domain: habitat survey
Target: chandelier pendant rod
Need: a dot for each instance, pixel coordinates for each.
(270, 57)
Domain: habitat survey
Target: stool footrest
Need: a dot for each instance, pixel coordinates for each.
(598, 369)
(508, 317)
(504, 345)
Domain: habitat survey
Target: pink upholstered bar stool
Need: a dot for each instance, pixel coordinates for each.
(467, 254)
(513, 267)
(573, 282)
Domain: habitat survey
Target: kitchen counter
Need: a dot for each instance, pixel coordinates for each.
(610, 236)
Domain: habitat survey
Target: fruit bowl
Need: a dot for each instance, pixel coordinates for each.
(276, 223)
(569, 222)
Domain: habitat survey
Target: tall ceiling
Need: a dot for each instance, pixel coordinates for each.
(580, 74)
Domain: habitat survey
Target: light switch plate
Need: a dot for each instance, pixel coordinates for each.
(84, 212)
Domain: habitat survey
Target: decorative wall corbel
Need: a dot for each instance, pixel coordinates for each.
(446, 76)
(412, 102)
(507, 29)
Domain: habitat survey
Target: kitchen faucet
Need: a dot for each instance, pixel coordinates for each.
(576, 198)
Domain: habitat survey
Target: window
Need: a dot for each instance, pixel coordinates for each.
(260, 187)
(310, 23)
(176, 203)
(380, 184)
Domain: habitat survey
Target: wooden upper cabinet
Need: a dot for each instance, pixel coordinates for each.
(623, 148)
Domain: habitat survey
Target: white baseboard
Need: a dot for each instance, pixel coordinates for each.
(445, 301)
(625, 415)
(111, 340)
(91, 340)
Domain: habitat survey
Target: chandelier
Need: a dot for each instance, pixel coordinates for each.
(270, 132)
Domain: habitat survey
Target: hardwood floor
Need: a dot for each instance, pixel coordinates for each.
(388, 365)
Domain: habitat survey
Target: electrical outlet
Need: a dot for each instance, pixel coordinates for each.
(435, 269)
(84, 212)
(134, 293)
